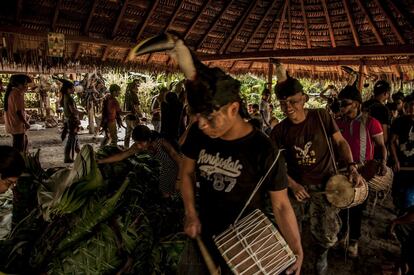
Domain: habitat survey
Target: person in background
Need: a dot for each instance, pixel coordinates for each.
(398, 99)
(402, 152)
(111, 115)
(171, 110)
(265, 110)
(71, 122)
(161, 149)
(393, 110)
(257, 117)
(131, 105)
(156, 103)
(362, 132)
(376, 105)
(330, 94)
(14, 111)
(11, 167)
(310, 164)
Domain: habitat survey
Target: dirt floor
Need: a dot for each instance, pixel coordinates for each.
(376, 250)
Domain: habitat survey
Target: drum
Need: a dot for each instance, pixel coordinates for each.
(382, 183)
(254, 246)
(341, 193)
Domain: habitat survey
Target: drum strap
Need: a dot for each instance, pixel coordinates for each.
(330, 147)
(262, 179)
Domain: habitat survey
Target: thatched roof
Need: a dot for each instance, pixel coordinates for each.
(313, 37)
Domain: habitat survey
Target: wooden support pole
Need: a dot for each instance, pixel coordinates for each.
(270, 74)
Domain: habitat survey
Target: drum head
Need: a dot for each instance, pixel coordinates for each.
(339, 191)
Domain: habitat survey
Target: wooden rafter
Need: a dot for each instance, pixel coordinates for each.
(212, 26)
(146, 20)
(391, 21)
(279, 30)
(105, 53)
(175, 14)
(342, 51)
(119, 19)
(250, 66)
(56, 14)
(351, 22)
(402, 11)
(371, 22)
(192, 25)
(290, 25)
(305, 22)
(78, 51)
(259, 26)
(272, 26)
(328, 20)
(19, 7)
(236, 30)
(91, 14)
(232, 66)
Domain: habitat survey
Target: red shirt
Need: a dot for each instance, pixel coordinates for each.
(359, 133)
(112, 108)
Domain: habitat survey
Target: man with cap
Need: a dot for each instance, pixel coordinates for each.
(14, 111)
(228, 157)
(71, 122)
(362, 132)
(111, 115)
(376, 105)
(310, 163)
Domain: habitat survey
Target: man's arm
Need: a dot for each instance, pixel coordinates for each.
(394, 144)
(286, 221)
(385, 132)
(118, 156)
(192, 225)
(22, 118)
(379, 141)
(346, 154)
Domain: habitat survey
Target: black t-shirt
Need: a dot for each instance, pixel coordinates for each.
(403, 127)
(307, 154)
(377, 110)
(228, 171)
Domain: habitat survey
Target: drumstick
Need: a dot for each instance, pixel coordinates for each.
(212, 268)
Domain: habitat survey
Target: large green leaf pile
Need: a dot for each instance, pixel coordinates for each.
(92, 220)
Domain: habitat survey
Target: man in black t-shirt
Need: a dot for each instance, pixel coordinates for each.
(228, 157)
(376, 105)
(310, 162)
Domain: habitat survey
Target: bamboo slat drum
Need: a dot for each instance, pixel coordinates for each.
(342, 194)
(254, 246)
(382, 183)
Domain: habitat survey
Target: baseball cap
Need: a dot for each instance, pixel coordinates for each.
(381, 86)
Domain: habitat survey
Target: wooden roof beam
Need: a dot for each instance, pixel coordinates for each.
(328, 20)
(272, 26)
(403, 12)
(214, 24)
(347, 8)
(19, 7)
(282, 19)
(342, 51)
(259, 26)
(91, 14)
(371, 23)
(391, 21)
(56, 14)
(144, 24)
(120, 17)
(203, 8)
(175, 14)
(305, 22)
(236, 30)
(290, 25)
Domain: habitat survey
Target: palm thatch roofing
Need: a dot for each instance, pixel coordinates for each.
(313, 37)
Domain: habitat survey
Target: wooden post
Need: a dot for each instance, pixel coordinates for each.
(361, 76)
(270, 75)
